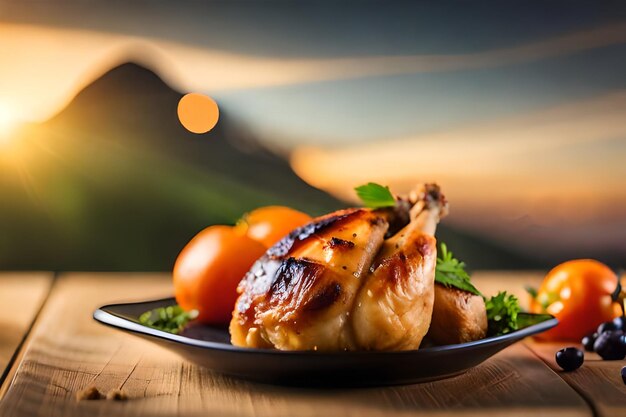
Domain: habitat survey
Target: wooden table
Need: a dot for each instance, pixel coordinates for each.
(50, 348)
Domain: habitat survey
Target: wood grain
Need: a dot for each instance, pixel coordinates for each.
(21, 297)
(598, 381)
(68, 351)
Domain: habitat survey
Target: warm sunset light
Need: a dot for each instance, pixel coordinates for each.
(508, 165)
(198, 113)
(8, 123)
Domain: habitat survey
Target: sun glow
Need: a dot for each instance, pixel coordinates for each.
(8, 124)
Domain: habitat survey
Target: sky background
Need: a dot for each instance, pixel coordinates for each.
(517, 109)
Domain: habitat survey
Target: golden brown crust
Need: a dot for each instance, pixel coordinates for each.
(299, 295)
(394, 306)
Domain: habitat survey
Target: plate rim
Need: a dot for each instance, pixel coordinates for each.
(110, 319)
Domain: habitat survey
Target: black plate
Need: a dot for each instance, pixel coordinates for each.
(210, 347)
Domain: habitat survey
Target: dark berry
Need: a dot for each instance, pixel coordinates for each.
(624, 374)
(611, 345)
(620, 323)
(589, 340)
(607, 326)
(570, 358)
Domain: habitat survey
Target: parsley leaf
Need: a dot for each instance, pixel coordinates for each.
(375, 195)
(171, 319)
(451, 272)
(502, 310)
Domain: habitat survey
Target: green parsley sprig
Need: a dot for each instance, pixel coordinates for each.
(375, 195)
(451, 272)
(502, 310)
(171, 319)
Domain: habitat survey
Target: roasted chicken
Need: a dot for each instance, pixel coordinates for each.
(353, 279)
(458, 316)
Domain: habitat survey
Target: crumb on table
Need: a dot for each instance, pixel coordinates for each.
(89, 393)
(116, 395)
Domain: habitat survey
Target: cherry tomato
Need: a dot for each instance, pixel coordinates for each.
(209, 268)
(578, 293)
(270, 224)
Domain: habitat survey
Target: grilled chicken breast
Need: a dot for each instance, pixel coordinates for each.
(458, 316)
(353, 279)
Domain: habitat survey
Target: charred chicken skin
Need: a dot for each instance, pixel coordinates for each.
(353, 279)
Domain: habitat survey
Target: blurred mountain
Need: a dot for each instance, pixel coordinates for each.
(134, 107)
(114, 182)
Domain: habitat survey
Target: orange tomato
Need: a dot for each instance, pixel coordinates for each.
(270, 224)
(578, 293)
(209, 268)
